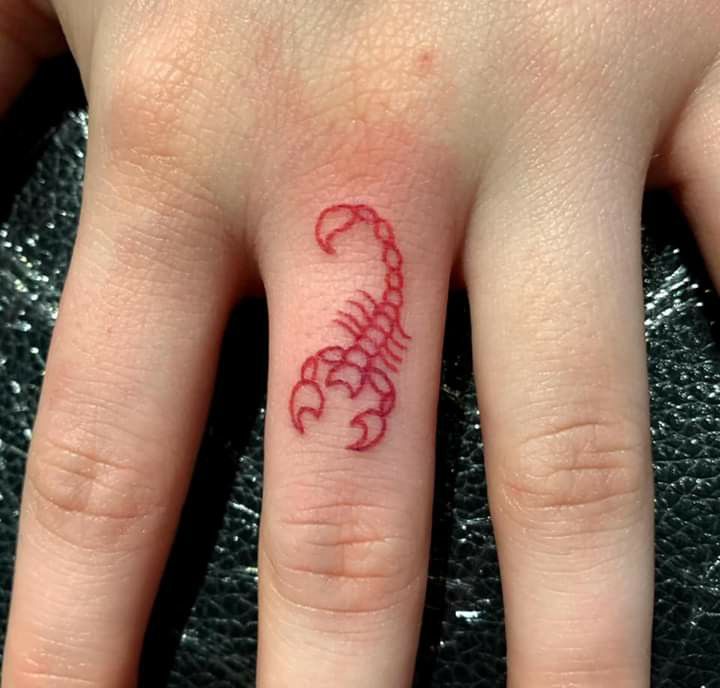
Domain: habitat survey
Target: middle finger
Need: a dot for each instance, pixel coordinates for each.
(356, 295)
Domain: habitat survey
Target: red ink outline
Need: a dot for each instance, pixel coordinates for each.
(374, 326)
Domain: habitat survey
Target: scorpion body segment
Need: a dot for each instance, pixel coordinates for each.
(377, 338)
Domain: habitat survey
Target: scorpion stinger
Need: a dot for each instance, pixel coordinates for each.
(373, 324)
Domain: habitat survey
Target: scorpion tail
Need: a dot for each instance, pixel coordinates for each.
(344, 216)
(331, 222)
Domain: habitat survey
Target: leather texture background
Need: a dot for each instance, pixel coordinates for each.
(203, 627)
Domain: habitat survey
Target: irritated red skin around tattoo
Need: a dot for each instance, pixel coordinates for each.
(373, 322)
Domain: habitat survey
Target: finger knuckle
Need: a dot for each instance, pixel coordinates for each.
(599, 670)
(144, 115)
(156, 157)
(343, 546)
(565, 58)
(385, 97)
(37, 668)
(148, 102)
(590, 471)
(91, 488)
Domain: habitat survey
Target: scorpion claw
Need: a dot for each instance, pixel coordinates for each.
(372, 424)
(307, 397)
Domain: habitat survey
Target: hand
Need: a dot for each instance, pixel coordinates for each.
(349, 157)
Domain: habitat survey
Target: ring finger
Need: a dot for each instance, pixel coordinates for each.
(554, 274)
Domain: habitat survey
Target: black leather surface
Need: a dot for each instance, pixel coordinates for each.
(203, 627)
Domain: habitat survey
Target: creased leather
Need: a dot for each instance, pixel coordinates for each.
(203, 627)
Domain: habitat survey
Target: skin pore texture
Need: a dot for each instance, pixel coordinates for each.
(350, 160)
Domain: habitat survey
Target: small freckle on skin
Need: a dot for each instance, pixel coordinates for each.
(425, 62)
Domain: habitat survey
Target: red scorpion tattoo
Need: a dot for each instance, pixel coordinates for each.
(377, 344)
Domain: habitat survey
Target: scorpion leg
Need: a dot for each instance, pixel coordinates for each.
(352, 319)
(400, 329)
(347, 327)
(364, 311)
(385, 349)
(364, 294)
(398, 344)
(387, 363)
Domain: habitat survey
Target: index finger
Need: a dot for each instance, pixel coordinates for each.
(128, 380)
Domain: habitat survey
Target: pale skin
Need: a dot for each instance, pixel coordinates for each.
(509, 144)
